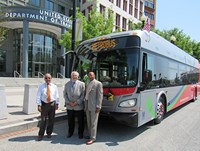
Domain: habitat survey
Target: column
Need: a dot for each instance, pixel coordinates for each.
(25, 49)
(62, 52)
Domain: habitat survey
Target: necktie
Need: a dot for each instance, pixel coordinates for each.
(73, 86)
(48, 93)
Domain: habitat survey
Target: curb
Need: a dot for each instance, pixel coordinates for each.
(28, 124)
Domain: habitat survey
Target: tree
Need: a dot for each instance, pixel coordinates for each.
(3, 30)
(95, 25)
(134, 26)
(183, 41)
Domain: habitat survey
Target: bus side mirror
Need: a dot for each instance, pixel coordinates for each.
(147, 76)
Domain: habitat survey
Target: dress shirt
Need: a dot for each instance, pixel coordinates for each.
(42, 94)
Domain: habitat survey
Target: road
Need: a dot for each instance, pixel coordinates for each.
(180, 131)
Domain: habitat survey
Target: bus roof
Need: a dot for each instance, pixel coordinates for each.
(154, 43)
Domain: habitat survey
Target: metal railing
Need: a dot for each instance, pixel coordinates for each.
(59, 75)
(17, 75)
(40, 75)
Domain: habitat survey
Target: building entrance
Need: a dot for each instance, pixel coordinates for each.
(42, 53)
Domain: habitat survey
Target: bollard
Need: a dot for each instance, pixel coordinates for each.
(29, 103)
(3, 103)
(61, 98)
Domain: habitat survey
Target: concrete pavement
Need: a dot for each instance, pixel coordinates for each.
(16, 119)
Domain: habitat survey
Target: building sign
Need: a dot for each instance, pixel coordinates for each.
(32, 14)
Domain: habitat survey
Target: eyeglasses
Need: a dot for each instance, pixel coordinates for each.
(47, 78)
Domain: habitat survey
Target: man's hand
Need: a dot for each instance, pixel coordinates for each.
(97, 110)
(72, 103)
(39, 108)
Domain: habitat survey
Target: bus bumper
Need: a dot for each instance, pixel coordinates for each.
(130, 119)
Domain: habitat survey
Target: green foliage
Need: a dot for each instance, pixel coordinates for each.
(134, 26)
(98, 24)
(3, 30)
(183, 41)
(66, 40)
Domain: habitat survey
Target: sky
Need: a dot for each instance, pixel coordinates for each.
(181, 14)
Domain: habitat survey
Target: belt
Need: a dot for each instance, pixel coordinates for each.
(49, 102)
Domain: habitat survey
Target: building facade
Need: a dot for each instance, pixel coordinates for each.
(150, 11)
(31, 46)
(125, 11)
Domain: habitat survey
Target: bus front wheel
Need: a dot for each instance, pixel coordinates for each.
(160, 111)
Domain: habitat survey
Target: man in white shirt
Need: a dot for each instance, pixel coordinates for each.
(48, 100)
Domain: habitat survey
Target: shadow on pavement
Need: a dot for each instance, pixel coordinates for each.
(109, 132)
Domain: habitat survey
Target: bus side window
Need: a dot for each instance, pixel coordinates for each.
(146, 73)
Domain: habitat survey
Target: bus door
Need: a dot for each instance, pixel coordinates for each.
(147, 109)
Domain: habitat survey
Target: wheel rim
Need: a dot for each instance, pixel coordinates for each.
(160, 110)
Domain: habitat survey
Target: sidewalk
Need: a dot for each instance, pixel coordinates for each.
(18, 120)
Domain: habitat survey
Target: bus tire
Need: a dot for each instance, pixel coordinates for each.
(160, 111)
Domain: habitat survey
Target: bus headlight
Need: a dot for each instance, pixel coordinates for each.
(128, 103)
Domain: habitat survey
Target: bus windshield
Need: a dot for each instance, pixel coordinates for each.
(118, 68)
(114, 67)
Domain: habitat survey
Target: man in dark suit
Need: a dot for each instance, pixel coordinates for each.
(93, 103)
(74, 93)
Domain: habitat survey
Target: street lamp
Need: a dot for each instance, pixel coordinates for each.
(143, 19)
(173, 39)
(74, 26)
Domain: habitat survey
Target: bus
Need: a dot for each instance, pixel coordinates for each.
(144, 76)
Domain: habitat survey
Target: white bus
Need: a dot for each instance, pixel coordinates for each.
(143, 75)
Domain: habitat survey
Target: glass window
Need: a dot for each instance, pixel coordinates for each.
(61, 9)
(125, 5)
(2, 60)
(146, 13)
(35, 2)
(151, 5)
(115, 61)
(124, 24)
(102, 9)
(152, 16)
(49, 5)
(117, 20)
(118, 68)
(48, 49)
(131, 9)
(118, 3)
(146, 3)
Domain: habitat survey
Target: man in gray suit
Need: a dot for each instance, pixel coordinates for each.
(93, 103)
(74, 93)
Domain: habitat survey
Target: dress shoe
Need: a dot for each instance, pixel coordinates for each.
(80, 136)
(69, 135)
(48, 135)
(89, 142)
(40, 138)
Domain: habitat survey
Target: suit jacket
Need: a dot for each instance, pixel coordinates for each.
(94, 95)
(77, 94)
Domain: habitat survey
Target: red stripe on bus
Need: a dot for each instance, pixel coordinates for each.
(119, 91)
